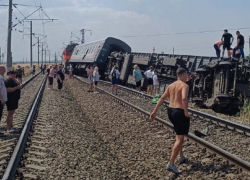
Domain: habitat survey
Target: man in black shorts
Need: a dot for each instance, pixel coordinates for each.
(177, 114)
(226, 39)
(60, 78)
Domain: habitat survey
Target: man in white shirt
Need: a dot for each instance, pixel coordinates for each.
(3, 91)
(149, 76)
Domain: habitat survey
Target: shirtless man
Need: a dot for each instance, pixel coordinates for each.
(177, 114)
(217, 46)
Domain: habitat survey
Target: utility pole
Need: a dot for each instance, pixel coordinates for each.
(9, 55)
(153, 49)
(42, 53)
(49, 56)
(55, 57)
(31, 45)
(83, 34)
(38, 50)
(173, 50)
(45, 55)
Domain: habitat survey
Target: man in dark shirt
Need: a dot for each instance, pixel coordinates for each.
(60, 78)
(226, 38)
(240, 44)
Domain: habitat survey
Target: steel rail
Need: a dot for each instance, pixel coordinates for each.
(10, 171)
(213, 148)
(196, 112)
(30, 79)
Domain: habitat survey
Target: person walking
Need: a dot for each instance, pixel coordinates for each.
(33, 70)
(177, 114)
(217, 46)
(19, 74)
(90, 77)
(227, 40)
(115, 79)
(96, 79)
(60, 78)
(149, 76)
(51, 77)
(137, 77)
(13, 94)
(3, 91)
(240, 45)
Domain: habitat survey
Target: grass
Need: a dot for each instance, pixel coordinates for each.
(244, 113)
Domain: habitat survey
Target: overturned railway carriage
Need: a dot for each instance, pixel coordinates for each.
(99, 54)
(219, 84)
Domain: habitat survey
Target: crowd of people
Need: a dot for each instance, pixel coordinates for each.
(150, 76)
(226, 41)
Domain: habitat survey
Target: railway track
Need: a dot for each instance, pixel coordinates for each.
(10, 141)
(231, 150)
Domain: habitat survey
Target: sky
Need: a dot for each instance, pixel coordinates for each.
(129, 20)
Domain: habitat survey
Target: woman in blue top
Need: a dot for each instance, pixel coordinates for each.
(137, 77)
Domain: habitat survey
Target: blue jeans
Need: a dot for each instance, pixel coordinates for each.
(241, 48)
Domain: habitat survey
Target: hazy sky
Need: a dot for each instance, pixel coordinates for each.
(134, 18)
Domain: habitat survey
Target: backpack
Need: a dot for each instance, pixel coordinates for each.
(113, 75)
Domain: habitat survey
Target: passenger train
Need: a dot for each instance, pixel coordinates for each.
(215, 82)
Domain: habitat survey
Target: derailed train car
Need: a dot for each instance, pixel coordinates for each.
(221, 84)
(99, 53)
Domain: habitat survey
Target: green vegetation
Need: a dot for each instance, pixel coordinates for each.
(245, 112)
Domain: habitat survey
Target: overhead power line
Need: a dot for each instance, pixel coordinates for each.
(188, 32)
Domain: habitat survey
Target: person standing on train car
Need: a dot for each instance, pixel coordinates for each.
(96, 77)
(217, 46)
(177, 114)
(115, 79)
(137, 77)
(90, 77)
(13, 94)
(226, 39)
(240, 45)
(149, 76)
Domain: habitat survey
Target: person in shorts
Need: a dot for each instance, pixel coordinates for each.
(156, 84)
(137, 77)
(51, 77)
(19, 74)
(115, 79)
(177, 114)
(149, 76)
(13, 94)
(3, 91)
(60, 78)
(96, 79)
(226, 39)
(90, 77)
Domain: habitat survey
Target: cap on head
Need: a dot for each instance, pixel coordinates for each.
(181, 71)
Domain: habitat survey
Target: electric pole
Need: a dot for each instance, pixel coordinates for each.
(55, 57)
(9, 54)
(38, 50)
(83, 35)
(42, 53)
(173, 50)
(49, 56)
(153, 49)
(31, 45)
(45, 55)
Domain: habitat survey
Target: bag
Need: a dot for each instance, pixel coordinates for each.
(113, 75)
